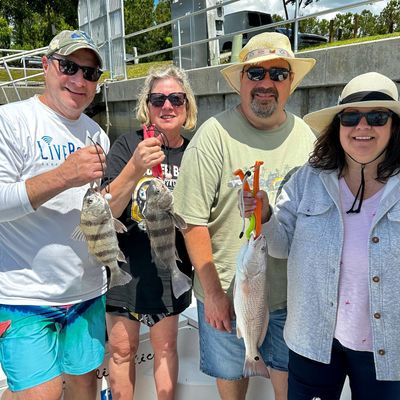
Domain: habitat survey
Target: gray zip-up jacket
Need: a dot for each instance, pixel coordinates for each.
(307, 227)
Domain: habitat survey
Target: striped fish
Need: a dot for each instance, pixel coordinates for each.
(160, 221)
(98, 229)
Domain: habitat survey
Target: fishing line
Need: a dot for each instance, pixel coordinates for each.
(108, 195)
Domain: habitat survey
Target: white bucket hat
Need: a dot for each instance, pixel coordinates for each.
(367, 90)
(265, 47)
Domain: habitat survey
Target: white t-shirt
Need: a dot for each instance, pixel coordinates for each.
(39, 262)
(353, 322)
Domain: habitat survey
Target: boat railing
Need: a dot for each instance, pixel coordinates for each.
(16, 61)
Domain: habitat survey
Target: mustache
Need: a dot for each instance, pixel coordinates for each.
(261, 90)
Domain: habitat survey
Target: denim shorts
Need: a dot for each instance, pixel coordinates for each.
(42, 342)
(222, 353)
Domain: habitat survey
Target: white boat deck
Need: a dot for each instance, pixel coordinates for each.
(192, 384)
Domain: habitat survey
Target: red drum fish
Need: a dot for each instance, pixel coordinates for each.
(250, 303)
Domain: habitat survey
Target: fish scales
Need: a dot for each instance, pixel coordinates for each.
(98, 228)
(160, 222)
(251, 303)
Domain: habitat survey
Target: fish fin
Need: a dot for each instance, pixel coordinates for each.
(179, 222)
(118, 276)
(121, 257)
(255, 367)
(177, 256)
(119, 226)
(181, 283)
(77, 234)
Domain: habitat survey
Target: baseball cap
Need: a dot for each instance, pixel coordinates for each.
(66, 42)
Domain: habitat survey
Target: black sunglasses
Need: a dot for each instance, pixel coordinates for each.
(374, 118)
(68, 67)
(158, 99)
(276, 74)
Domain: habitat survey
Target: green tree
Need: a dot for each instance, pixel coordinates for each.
(139, 14)
(368, 25)
(390, 17)
(5, 34)
(34, 22)
(343, 26)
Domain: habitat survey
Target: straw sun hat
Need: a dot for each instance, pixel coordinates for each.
(265, 47)
(367, 90)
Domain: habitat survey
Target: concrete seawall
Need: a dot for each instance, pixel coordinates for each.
(321, 88)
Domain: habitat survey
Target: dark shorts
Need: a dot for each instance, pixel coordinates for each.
(309, 379)
(222, 353)
(146, 319)
(43, 342)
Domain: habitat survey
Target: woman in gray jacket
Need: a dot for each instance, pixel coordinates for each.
(338, 222)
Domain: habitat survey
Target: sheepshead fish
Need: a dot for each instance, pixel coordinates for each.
(160, 221)
(98, 229)
(250, 303)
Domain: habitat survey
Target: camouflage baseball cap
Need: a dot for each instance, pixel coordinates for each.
(67, 42)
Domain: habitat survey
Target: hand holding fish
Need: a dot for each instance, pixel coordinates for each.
(147, 154)
(249, 204)
(83, 166)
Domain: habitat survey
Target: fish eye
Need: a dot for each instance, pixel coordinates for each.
(142, 194)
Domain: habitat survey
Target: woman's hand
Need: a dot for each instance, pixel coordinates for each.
(147, 154)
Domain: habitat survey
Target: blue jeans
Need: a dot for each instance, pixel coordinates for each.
(309, 379)
(222, 353)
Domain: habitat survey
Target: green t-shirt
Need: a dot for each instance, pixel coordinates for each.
(204, 194)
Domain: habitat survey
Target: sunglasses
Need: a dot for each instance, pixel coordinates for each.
(276, 74)
(158, 99)
(374, 118)
(68, 67)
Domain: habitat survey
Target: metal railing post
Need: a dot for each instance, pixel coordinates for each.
(179, 43)
(296, 27)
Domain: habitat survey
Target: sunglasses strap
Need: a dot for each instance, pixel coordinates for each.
(360, 192)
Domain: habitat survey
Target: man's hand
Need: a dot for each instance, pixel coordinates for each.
(218, 311)
(249, 204)
(83, 166)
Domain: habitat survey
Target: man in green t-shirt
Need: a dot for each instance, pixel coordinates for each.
(259, 128)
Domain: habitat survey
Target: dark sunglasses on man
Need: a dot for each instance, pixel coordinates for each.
(68, 67)
(177, 99)
(374, 118)
(276, 74)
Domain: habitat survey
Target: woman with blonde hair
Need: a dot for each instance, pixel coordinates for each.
(166, 105)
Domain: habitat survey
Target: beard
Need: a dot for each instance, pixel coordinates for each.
(264, 108)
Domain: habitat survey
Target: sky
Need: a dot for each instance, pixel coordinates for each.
(276, 7)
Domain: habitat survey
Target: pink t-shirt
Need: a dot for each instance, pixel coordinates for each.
(353, 326)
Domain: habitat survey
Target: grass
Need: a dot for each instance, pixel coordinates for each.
(140, 70)
(352, 41)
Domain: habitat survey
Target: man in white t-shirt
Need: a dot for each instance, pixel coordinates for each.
(259, 128)
(52, 293)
